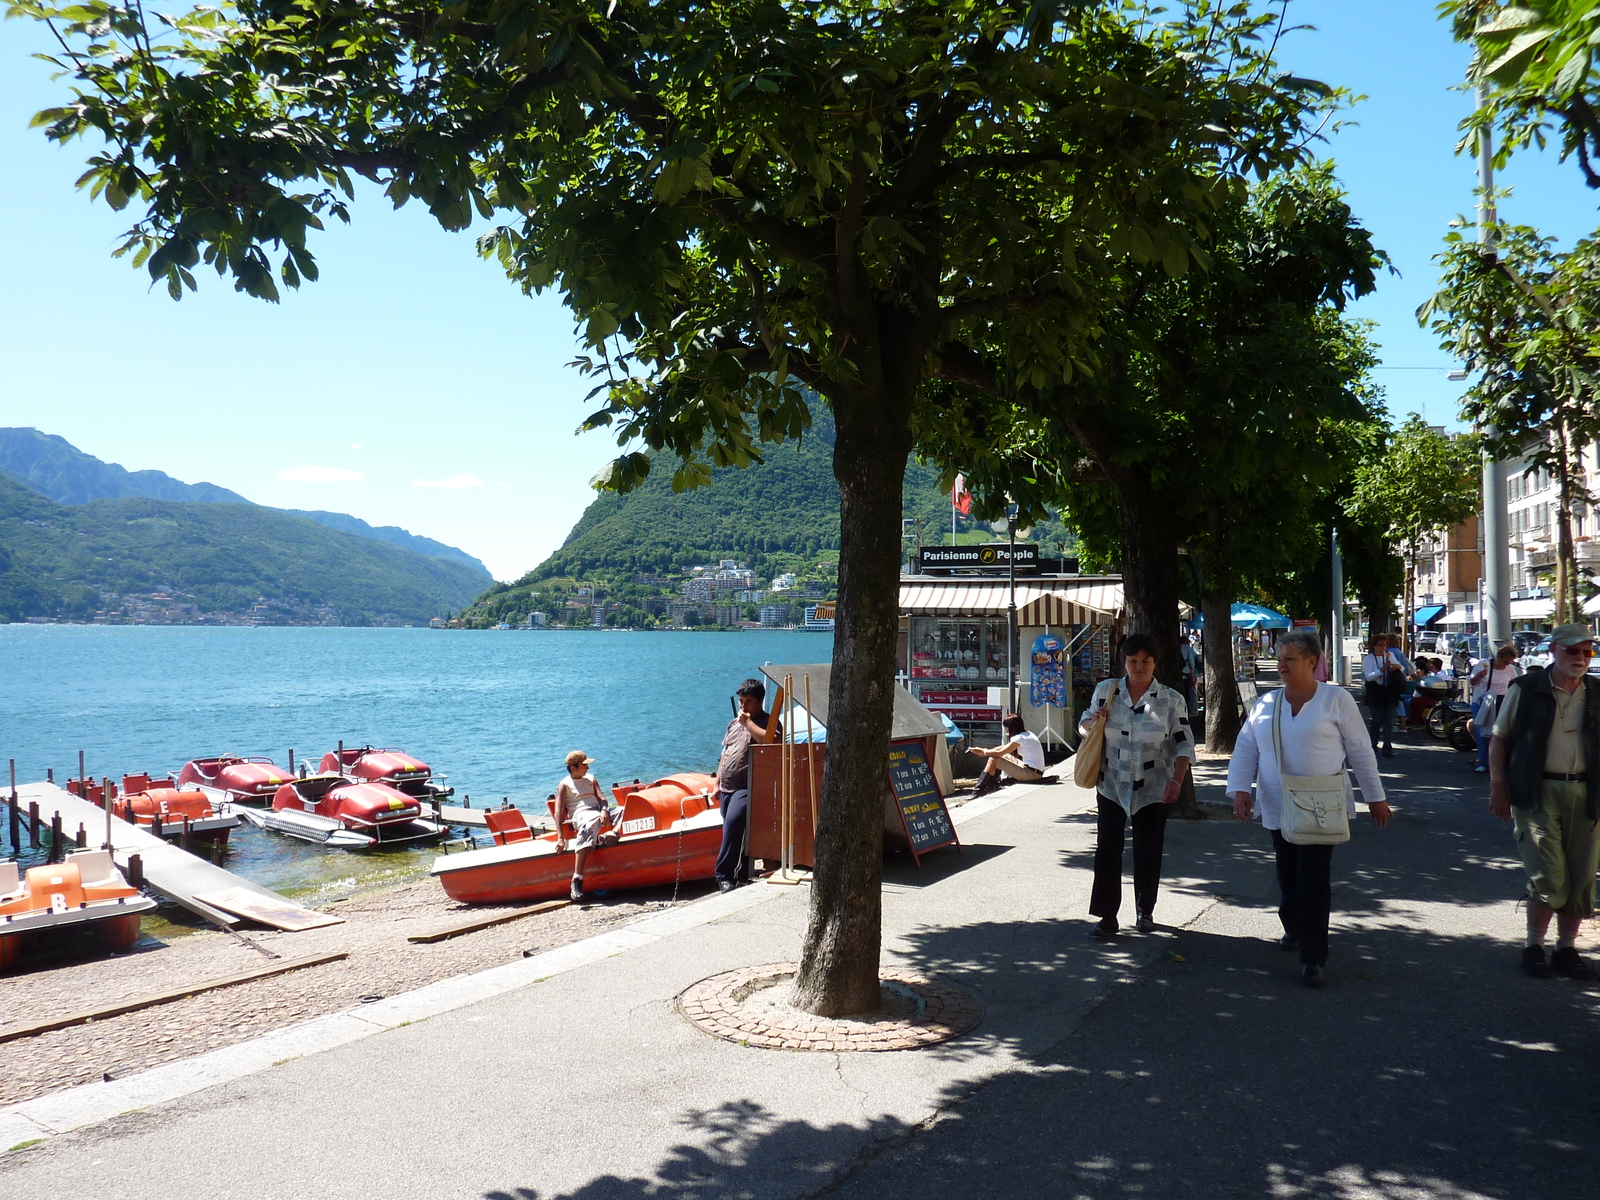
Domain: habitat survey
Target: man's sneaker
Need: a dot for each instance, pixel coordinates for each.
(1105, 929)
(577, 888)
(1481, 769)
(1145, 924)
(1533, 962)
(1565, 961)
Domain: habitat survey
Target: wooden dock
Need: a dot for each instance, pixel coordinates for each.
(168, 870)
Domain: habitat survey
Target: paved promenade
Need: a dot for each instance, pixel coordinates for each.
(1188, 1063)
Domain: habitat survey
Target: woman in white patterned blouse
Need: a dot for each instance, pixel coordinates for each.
(1148, 749)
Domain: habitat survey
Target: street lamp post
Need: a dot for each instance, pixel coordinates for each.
(1011, 610)
(1496, 603)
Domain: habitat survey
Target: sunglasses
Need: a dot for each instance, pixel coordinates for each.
(1584, 651)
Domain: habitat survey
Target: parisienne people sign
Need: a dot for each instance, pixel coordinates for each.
(988, 558)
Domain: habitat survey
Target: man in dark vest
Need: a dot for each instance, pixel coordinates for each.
(749, 726)
(1544, 762)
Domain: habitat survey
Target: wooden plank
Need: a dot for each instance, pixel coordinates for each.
(11, 1033)
(473, 924)
(280, 914)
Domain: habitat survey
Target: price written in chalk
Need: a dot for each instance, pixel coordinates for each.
(916, 794)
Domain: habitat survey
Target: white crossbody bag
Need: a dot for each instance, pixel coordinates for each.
(1314, 812)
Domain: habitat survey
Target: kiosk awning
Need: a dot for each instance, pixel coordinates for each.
(1039, 601)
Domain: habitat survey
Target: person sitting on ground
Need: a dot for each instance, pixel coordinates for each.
(578, 800)
(1020, 757)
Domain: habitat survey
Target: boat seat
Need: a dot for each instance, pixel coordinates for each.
(568, 833)
(508, 825)
(10, 879)
(95, 867)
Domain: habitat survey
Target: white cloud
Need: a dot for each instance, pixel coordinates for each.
(454, 483)
(309, 474)
(357, 446)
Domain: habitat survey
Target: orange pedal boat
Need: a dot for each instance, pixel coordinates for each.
(670, 832)
(86, 890)
(160, 807)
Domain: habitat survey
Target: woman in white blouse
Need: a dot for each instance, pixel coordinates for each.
(1322, 734)
(1148, 749)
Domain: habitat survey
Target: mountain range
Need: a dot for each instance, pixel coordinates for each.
(55, 468)
(162, 561)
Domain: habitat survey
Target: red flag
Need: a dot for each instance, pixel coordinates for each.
(960, 498)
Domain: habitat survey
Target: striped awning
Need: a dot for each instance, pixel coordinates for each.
(1039, 601)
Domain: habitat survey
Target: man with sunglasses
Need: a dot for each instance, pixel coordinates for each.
(1544, 762)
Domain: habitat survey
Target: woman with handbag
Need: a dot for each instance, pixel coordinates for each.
(1145, 747)
(1490, 678)
(1294, 749)
(1383, 679)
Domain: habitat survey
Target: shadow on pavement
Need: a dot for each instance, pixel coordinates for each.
(1428, 1068)
(1195, 1065)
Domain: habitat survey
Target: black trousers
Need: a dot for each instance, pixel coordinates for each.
(1149, 834)
(1306, 889)
(733, 865)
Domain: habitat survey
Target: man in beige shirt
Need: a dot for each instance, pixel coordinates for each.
(1546, 733)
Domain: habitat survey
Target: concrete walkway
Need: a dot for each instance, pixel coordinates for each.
(1189, 1063)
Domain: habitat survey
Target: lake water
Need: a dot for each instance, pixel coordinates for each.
(493, 711)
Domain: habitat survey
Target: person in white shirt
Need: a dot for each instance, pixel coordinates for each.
(1021, 757)
(1383, 679)
(1490, 678)
(1322, 734)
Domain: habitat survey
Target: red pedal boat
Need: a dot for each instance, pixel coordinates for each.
(85, 891)
(394, 767)
(232, 777)
(334, 811)
(670, 832)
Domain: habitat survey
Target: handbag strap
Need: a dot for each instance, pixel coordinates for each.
(1277, 734)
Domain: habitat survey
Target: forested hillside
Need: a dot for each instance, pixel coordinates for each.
(67, 561)
(786, 507)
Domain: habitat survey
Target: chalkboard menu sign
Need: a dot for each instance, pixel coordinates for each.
(917, 799)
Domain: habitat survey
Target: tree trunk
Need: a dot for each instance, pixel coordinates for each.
(839, 960)
(1224, 714)
(1150, 590)
(1566, 555)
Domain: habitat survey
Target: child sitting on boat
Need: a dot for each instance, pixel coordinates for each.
(579, 801)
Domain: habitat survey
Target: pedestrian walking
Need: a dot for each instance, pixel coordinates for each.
(1148, 750)
(1544, 762)
(1490, 678)
(1382, 678)
(1319, 730)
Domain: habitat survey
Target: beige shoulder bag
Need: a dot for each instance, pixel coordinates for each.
(1314, 812)
(1091, 755)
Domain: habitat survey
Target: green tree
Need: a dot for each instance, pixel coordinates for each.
(1420, 483)
(1526, 319)
(734, 199)
(1536, 60)
(1212, 421)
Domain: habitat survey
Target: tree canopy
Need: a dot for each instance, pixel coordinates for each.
(1536, 61)
(736, 198)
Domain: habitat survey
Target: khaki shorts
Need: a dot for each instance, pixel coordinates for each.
(588, 827)
(1017, 769)
(1559, 848)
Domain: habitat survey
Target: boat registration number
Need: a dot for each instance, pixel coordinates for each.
(638, 826)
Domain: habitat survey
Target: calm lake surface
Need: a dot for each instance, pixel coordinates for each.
(493, 711)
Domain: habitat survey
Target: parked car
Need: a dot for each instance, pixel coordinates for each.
(1537, 655)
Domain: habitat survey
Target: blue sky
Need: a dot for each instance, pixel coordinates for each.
(415, 366)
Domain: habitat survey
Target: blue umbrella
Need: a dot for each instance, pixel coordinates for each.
(1250, 616)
